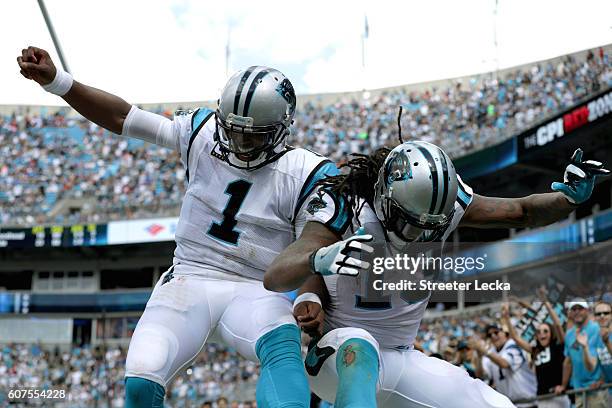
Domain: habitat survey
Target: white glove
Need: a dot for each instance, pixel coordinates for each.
(342, 257)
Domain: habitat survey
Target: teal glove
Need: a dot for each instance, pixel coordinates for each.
(579, 178)
(342, 257)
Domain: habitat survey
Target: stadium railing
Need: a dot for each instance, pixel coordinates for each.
(578, 392)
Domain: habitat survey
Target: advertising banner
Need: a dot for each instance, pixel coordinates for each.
(558, 127)
(140, 231)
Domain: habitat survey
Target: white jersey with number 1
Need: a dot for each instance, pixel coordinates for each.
(233, 224)
(235, 221)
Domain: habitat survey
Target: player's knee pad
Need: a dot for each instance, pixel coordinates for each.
(357, 364)
(143, 393)
(282, 383)
(336, 337)
(152, 350)
(345, 334)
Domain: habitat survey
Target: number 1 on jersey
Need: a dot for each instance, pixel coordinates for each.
(224, 231)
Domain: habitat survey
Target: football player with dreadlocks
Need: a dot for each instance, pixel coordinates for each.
(245, 190)
(402, 196)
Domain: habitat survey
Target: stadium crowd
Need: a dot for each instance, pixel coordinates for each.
(497, 345)
(47, 158)
(490, 342)
(461, 117)
(94, 376)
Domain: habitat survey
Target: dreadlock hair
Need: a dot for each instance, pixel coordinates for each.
(362, 175)
(359, 181)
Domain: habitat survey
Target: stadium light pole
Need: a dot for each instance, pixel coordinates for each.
(495, 11)
(364, 37)
(58, 48)
(228, 50)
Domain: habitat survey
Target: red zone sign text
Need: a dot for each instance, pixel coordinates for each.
(566, 123)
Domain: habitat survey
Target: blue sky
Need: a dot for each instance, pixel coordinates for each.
(174, 50)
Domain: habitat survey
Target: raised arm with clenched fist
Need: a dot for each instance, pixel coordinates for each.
(37, 65)
(102, 108)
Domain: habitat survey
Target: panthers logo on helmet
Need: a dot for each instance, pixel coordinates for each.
(285, 89)
(397, 168)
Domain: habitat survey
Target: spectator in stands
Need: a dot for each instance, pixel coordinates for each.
(581, 362)
(546, 354)
(465, 358)
(506, 365)
(603, 315)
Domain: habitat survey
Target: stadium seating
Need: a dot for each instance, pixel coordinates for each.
(94, 376)
(46, 159)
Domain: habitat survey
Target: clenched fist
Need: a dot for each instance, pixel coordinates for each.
(309, 316)
(36, 64)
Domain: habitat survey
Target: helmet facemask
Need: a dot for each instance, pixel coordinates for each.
(409, 226)
(250, 144)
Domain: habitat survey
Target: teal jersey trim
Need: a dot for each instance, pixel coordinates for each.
(199, 118)
(463, 196)
(342, 216)
(322, 170)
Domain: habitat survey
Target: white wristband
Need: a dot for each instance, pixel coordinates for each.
(61, 84)
(306, 297)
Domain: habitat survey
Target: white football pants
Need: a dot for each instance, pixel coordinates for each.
(183, 313)
(407, 378)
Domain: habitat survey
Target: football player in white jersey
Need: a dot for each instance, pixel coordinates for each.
(366, 357)
(245, 190)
